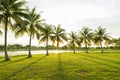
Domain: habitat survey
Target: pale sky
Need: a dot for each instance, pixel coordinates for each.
(74, 14)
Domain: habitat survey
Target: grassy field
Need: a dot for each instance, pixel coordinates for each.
(66, 66)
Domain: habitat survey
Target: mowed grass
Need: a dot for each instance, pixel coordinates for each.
(66, 66)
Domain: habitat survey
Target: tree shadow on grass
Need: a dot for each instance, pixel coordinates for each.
(3, 63)
(105, 59)
(100, 62)
(22, 69)
(61, 75)
(20, 60)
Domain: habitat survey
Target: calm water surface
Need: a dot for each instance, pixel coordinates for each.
(34, 52)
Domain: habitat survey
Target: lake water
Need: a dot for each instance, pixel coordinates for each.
(33, 52)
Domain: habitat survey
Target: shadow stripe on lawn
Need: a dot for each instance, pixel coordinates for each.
(105, 59)
(22, 69)
(100, 62)
(3, 63)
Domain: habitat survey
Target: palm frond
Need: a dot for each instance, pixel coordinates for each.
(10, 25)
(17, 5)
(19, 32)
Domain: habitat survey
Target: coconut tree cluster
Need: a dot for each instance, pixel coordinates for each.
(16, 17)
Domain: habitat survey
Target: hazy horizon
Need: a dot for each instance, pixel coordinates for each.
(73, 15)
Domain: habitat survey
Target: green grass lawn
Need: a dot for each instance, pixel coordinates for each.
(66, 66)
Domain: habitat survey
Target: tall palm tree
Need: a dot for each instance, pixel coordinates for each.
(73, 41)
(10, 9)
(101, 35)
(86, 37)
(45, 35)
(34, 20)
(58, 35)
(31, 25)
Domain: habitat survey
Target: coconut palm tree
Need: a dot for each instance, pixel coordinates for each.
(45, 35)
(58, 35)
(86, 37)
(34, 20)
(10, 9)
(73, 41)
(101, 35)
(31, 25)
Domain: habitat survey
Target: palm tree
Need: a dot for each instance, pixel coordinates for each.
(31, 25)
(34, 20)
(10, 9)
(86, 37)
(45, 35)
(73, 41)
(58, 35)
(101, 35)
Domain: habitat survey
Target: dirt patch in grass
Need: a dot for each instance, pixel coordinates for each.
(82, 72)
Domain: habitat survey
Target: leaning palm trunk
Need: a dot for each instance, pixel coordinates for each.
(6, 55)
(30, 55)
(47, 47)
(101, 47)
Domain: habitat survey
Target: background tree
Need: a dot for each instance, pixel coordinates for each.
(73, 41)
(101, 35)
(10, 9)
(86, 37)
(115, 42)
(45, 35)
(58, 35)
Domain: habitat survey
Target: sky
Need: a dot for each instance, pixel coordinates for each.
(73, 15)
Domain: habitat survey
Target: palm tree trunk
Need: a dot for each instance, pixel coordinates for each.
(86, 46)
(74, 49)
(47, 47)
(58, 46)
(101, 46)
(30, 55)
(6, 55)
